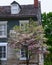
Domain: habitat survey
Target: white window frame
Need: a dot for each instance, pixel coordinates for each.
(23, 22)
(3, 23)
(4, 44)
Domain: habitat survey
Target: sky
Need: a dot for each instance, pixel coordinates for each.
(46, 5)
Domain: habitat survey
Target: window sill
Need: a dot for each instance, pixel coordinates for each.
(3, 36)
(3, 58)
(22, 58)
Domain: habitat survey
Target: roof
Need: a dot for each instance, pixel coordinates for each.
(26, 11)
(14, 2)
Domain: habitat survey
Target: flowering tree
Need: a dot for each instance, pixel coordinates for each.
(30, 38)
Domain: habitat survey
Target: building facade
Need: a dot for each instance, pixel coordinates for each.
(12, 15)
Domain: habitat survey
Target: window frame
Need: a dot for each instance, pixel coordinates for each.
(4, 44)
(4, 29)
(23, 22)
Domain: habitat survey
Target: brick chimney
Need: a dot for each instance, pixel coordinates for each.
(35, 3)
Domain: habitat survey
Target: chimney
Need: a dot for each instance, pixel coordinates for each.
(35, 3)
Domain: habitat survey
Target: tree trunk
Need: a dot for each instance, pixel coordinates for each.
(27, 59)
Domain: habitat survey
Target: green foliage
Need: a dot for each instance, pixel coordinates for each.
(48, 60)
(47, 25)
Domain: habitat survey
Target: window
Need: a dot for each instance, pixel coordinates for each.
(15, 9)
(3, 29)
(24, 24)
(23, 55)
(3, 51)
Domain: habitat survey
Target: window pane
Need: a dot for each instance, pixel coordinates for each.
(2, 51)
(3, 29)
(0, 32)
(4, 55)
(0, 27)
(4, 48)
(22, 50)
(23, 53)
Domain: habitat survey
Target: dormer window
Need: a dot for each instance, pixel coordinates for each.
(15, 7)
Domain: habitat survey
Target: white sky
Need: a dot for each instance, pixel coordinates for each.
(46, 5)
